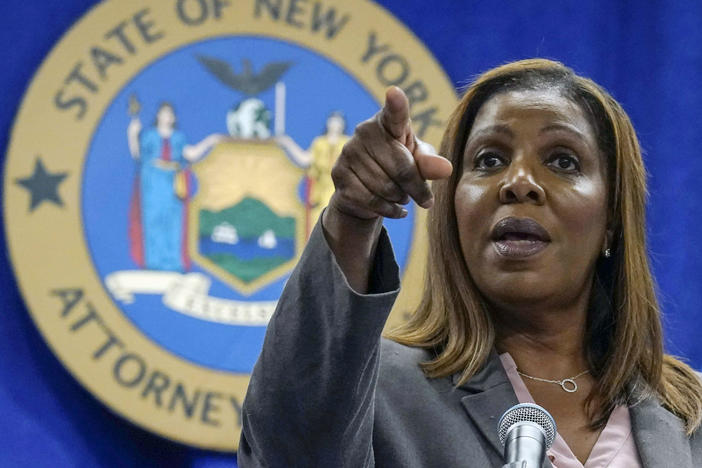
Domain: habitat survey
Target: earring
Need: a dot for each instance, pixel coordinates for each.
(607, 253)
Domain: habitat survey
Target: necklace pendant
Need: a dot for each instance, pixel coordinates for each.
(569, 385)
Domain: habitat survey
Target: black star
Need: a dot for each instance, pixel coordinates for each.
(42, 185)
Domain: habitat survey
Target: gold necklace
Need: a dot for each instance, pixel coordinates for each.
(567, 385)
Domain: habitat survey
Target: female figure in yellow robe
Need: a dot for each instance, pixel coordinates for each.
(319, 159)
(323, 151)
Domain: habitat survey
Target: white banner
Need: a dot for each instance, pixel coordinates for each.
(188, 294)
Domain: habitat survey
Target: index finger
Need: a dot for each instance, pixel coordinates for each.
(394, 117)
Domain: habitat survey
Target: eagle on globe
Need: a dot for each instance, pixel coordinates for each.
(249, 119)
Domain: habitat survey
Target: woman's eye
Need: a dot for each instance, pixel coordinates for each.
(565, 162)
(489, 161)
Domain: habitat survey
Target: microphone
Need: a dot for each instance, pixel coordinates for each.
(526, 431)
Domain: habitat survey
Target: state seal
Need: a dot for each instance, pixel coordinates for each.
(165, 168)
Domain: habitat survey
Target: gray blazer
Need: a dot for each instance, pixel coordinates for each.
(328, 391)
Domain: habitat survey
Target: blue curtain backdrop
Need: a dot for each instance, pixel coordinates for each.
(648, 54)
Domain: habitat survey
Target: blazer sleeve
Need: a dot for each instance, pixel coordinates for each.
(310, 397)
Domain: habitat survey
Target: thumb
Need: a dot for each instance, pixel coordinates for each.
(431, 165)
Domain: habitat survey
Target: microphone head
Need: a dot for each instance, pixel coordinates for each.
(531, 413)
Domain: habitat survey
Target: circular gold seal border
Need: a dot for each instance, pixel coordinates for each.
(62, 107)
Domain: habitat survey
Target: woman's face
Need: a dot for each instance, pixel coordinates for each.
(335, 125)
(166, 116)
(531, 203)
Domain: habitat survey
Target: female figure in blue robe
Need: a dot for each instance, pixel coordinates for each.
(158, 215)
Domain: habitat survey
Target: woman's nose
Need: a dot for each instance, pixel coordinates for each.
(519, 186)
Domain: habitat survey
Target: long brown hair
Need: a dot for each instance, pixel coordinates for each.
(624, 338)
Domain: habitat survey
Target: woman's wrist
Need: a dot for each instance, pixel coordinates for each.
(352, 240)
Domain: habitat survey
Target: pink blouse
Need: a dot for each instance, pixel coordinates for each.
(615, 447)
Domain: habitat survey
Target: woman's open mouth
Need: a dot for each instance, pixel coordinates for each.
(519, 237)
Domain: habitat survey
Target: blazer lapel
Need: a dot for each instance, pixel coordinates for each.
(490, 395)
(660, 436)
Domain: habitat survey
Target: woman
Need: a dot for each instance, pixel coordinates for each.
(319, 160)
(159, 208)
(323, 151)
(537, 289)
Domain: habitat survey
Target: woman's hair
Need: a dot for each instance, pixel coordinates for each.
(624, 336)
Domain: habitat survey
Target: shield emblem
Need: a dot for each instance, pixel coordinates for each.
(247, 222)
